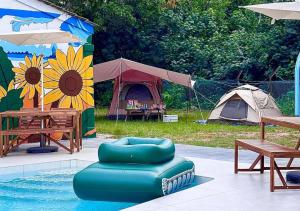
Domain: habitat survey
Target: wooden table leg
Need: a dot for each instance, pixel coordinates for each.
(1, 146)
(77, 132)
(262, 131)
(1, 138)
(262, 164)
(258, 159)
(6, 147)
(80, 129)
(280, 175)
(272, 179)
(71, 142)
(292, 159)
(236, 158)
(158, 115)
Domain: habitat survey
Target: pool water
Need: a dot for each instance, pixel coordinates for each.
(49, 187)
(49, 190)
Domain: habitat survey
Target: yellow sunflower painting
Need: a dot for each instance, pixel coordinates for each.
(70, 80)
(3, 92)
(28, 75)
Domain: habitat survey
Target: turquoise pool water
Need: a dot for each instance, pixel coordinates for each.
(49, 187)
(49, 190)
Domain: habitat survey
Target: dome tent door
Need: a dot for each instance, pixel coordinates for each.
(235, 109)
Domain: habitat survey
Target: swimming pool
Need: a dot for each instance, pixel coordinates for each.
(48, 186)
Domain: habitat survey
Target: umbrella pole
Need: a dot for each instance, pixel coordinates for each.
(42, 143)
(42, 79)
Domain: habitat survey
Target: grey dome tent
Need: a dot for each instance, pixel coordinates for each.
(245, 104)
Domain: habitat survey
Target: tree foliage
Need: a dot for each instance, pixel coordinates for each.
(211, 39)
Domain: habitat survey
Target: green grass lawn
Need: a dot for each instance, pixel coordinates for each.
(187, 132)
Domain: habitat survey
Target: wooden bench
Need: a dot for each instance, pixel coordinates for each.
(12, 144)
(273, 151)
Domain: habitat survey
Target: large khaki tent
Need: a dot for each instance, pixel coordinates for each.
(245, 104)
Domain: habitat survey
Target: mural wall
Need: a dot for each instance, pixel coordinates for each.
(68, 68)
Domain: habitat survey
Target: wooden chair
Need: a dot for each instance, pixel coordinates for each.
(66, 122)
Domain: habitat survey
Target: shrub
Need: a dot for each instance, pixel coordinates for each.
(287, 103)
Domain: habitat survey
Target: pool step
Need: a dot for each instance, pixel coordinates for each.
(39, 188)
(51, 190)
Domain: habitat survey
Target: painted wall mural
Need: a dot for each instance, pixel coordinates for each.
(9, 96)
(25, 17)
(70, 80)
(68, 68)
(28, 76)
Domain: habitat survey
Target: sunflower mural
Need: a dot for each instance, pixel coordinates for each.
(70, 79)
(6, 102)
(3, 92)
(9, 96)
(28, 76)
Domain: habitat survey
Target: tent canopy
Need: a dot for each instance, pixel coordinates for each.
(113, 69)
(279, 10)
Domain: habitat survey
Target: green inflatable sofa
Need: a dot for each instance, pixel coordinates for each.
(134, 170)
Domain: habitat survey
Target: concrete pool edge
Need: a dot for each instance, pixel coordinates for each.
(219, 194)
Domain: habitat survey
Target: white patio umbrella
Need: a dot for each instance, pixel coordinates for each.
(39, 37)
(284, 11)
(278, 10)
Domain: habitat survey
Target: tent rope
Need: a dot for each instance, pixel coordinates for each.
(213, 103)
(198, 103)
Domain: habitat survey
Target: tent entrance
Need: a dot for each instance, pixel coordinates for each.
(138, 92)
(236, 109)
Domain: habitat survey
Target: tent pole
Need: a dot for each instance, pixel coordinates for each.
(189, 99)
(187, 106)
(119, 92)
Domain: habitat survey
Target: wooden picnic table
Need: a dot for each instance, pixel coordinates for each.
(144, 112)
(271, 150)
(34, 121)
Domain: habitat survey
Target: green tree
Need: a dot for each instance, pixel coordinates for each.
(212, 39)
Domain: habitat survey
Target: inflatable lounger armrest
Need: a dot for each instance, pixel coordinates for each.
(137, 150)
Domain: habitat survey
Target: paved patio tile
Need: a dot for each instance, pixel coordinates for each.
(226, 192)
